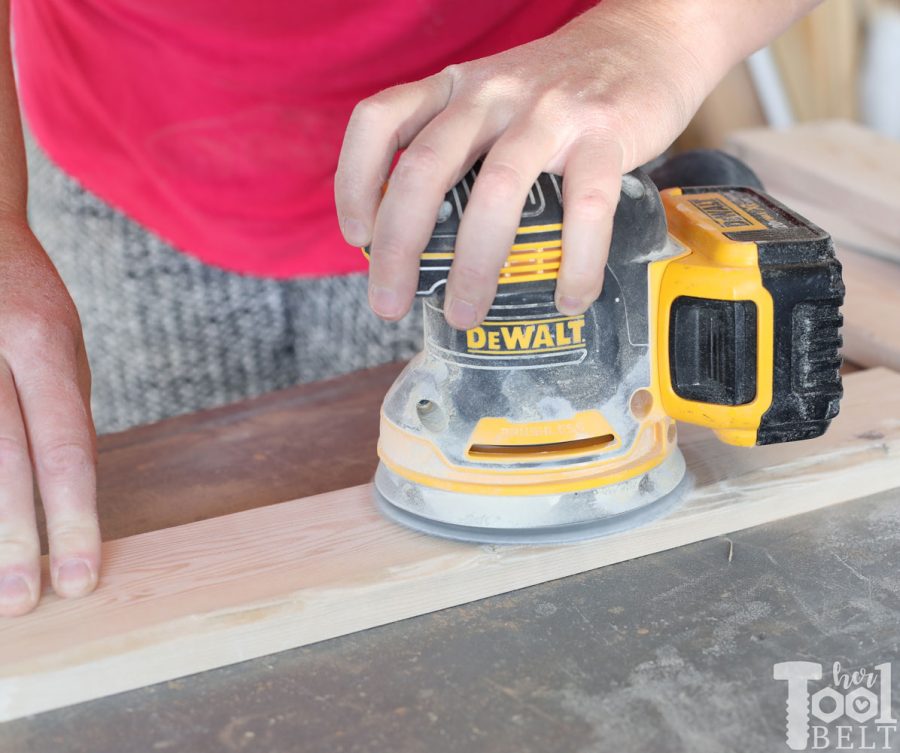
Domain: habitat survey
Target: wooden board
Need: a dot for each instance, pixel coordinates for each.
(846, 179)
(819, 61)
(846, 232)
(207, 594)
(835, 165)
(301, 441)
(871, 310)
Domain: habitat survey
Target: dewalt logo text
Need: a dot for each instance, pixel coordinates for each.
(526, 337)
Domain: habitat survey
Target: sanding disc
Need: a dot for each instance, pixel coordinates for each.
(560, 534)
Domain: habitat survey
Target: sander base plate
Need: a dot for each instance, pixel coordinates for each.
(545, 535)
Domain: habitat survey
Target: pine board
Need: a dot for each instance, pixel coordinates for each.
(846, 232)
(871, 310)
(846, 179)
(836, 165)
(207, 594)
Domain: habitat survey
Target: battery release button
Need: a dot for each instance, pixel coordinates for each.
(712, 350)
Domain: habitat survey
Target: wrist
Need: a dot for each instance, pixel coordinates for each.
(703, 38)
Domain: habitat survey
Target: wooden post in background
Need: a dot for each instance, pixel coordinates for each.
(819, 62)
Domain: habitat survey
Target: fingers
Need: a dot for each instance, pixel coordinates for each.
(20, 575)
(591, 186)
(491, 219)
(435, 159)
(378, 128)
(61, 436)
(442, 141)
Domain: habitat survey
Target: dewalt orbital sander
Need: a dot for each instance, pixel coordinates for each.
(720, 307)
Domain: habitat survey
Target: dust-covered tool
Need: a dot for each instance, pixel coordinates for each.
(720, 307)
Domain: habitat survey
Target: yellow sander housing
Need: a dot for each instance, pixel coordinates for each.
(720, 307)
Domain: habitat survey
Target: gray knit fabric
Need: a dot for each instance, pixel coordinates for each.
(167, 334)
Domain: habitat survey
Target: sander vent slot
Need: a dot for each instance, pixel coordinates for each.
(548, 449)
(531, 264)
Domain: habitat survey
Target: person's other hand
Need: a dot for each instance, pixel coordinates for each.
(46, 431)
(599, 97)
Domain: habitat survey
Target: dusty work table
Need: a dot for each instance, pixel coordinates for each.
(666, 653)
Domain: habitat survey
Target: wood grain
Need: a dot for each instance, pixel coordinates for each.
(836, 165)
(846, 179)
(206, 594)
(871, 310)
(305, 440)
(819, 61)
(846, 232)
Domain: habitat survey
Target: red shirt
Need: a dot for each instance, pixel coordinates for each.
(217, 123)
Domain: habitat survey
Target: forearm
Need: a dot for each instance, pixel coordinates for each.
(653, 62)
(714, 34)
(14, 176)
(602, 95)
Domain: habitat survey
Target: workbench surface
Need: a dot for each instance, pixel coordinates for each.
(669, 652)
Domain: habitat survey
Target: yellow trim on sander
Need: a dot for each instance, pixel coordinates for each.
(712, 266)
(519, 265)
(719, 268)
(652, 446)
(512, 435)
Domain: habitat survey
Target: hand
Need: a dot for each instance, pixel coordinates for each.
(601, 96)
(46, 431)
